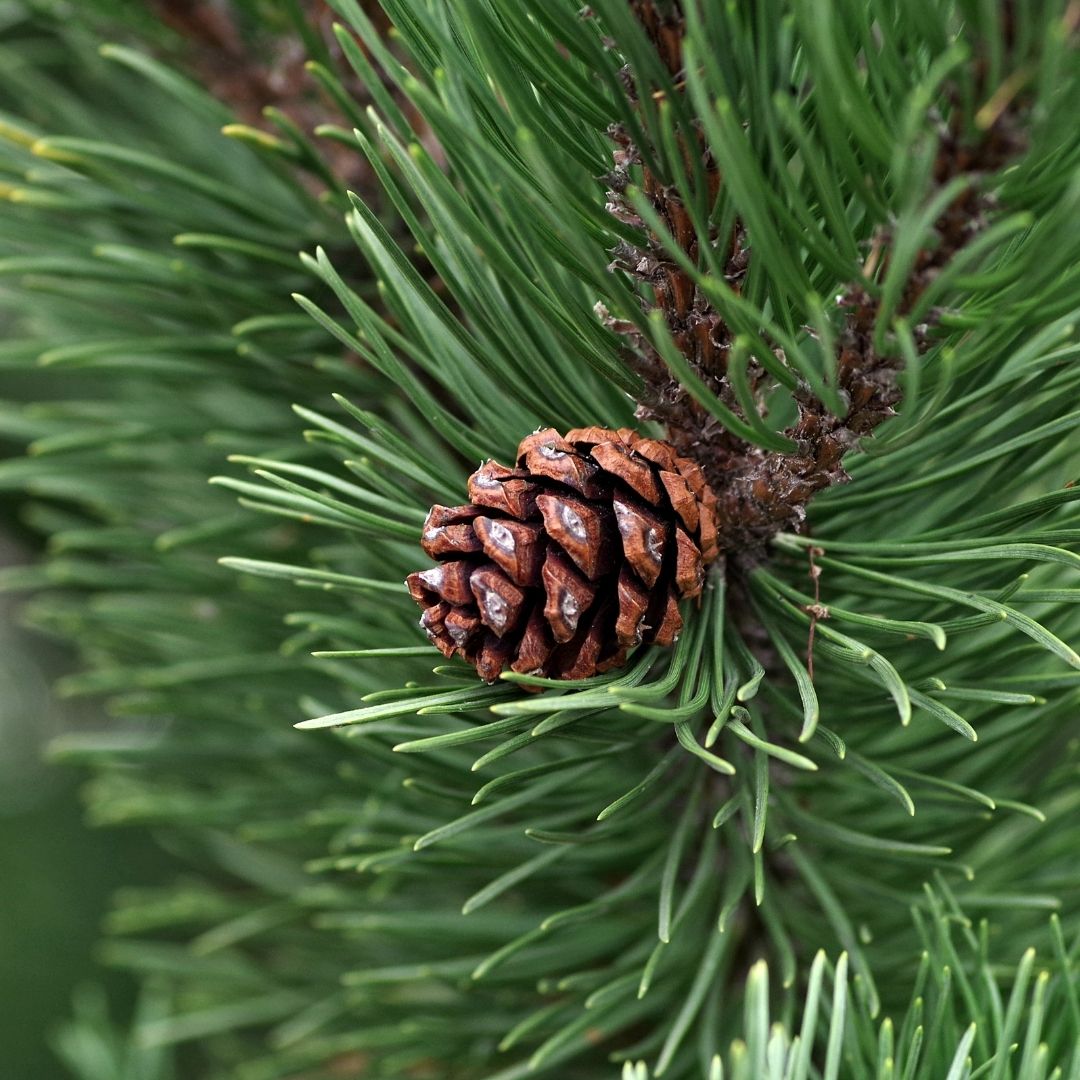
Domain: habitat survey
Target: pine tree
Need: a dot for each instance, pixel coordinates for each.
(831, 254)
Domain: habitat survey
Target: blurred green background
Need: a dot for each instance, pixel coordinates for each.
(56, 875)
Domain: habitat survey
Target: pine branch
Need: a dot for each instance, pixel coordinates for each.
(467, 879)
(763, 492)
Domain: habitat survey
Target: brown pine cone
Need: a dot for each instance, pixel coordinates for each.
(561, 566)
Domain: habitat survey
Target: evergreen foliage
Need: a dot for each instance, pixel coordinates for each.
(724, 860)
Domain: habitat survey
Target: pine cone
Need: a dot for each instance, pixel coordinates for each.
(561, 566)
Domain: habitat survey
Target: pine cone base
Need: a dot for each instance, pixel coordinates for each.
(561, 566)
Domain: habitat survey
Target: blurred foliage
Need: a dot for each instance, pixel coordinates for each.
(57, 878)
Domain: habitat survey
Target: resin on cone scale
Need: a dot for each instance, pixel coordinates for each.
(564, 564)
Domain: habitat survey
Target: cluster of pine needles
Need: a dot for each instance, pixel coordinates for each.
(732, 858)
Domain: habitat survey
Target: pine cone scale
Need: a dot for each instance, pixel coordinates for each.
(563, 564)
(516, 547)
(568, 596)
(581, 530)
(500, 602)
(643, 540)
